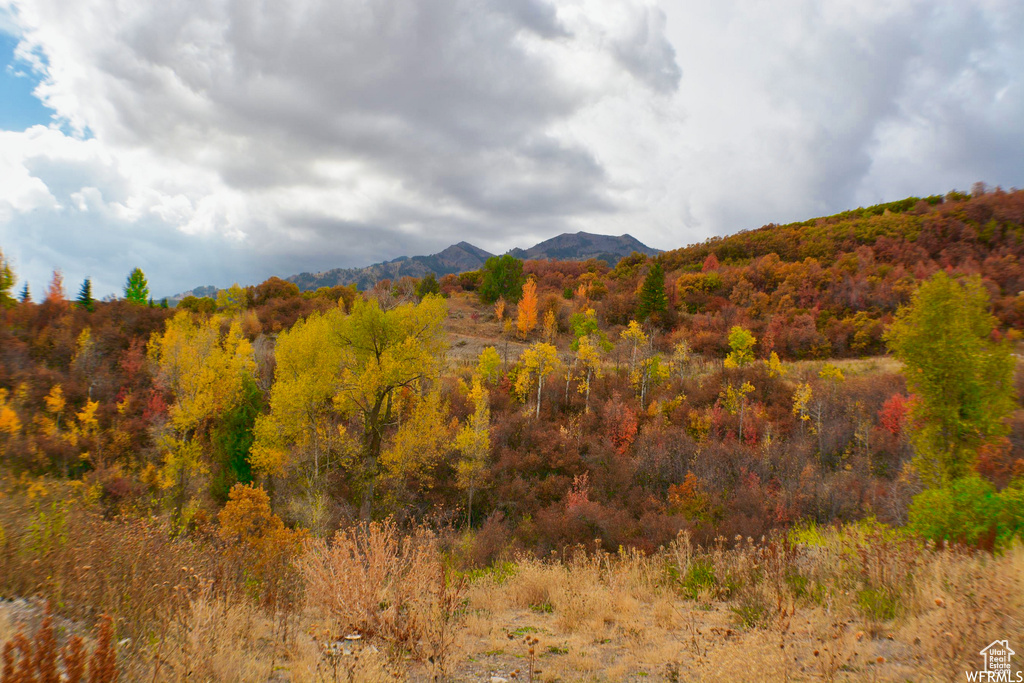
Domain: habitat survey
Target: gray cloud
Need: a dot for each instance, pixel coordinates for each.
(235, 140)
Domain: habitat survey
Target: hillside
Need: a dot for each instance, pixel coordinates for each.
(624, 459)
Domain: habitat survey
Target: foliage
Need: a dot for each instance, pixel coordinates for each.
(970, 511)
(232, 300)
(741, 345)
(6, 282)
(427, 285)
(526, 311)
(381, 353)
(502, 279)
(300, 430)
(85, 300)
(652, 298)
(258, 541)
(488, 366)
(538, 361)
(962, 380)
(136, 289)
(473, 442)
(55, 291)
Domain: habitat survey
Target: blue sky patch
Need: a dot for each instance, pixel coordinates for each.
(19, 108)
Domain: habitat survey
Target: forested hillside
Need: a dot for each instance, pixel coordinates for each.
(728, 389)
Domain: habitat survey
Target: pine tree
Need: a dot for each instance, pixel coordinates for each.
(136, 289)
(26, 296)
(85, 300)
(652, 294)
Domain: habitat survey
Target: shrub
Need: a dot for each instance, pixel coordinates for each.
(375, 581)
(970, 511)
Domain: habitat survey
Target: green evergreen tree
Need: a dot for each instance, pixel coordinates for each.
(962, 379)
(85, 299)
(652, 294)
(26, 296)
(502, 279)
(136, 289)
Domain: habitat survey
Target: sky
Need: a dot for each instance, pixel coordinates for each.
(218, 141)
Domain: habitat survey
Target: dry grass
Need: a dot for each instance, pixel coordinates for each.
(861, 603)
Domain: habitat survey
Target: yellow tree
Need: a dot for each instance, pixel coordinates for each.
(381, 353)
(539, 361)
(775, 366)
(474, 444)
(205, 373)
(302, 430)
(10, 424)
(735, 401)
(232, 300)
(588, 356)
(550, 326)
(55, 403)
(489, 365)
(741, 343)
(421, 439)
(801, 399)
(526, 319)
(635, 337)
(681, 358)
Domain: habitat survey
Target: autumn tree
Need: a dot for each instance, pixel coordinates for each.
(588, 360)
(526, 312)
(6, 282)
(85, 300)
(55, 292)
(488, 366)
(741, 345)
(962, 379)
(232, 300)
(136, 289)
(539, 361)
(206, 374)
(381, 353)
(734, 400)
(474, 444)
(637, 339)
(422, 439)
(502, 279)
(652, 298)
(302, 434)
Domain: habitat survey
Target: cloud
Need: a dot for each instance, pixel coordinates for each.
(220, 141)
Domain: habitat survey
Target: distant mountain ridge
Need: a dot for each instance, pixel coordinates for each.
(463, 256)
(459, 258)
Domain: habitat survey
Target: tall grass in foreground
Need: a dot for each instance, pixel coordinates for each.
(378, 602)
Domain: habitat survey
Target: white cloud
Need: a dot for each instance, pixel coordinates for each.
(219, 141)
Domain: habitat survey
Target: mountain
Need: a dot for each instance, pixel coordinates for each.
(584, 245)
(457, 258)
(463, 256)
